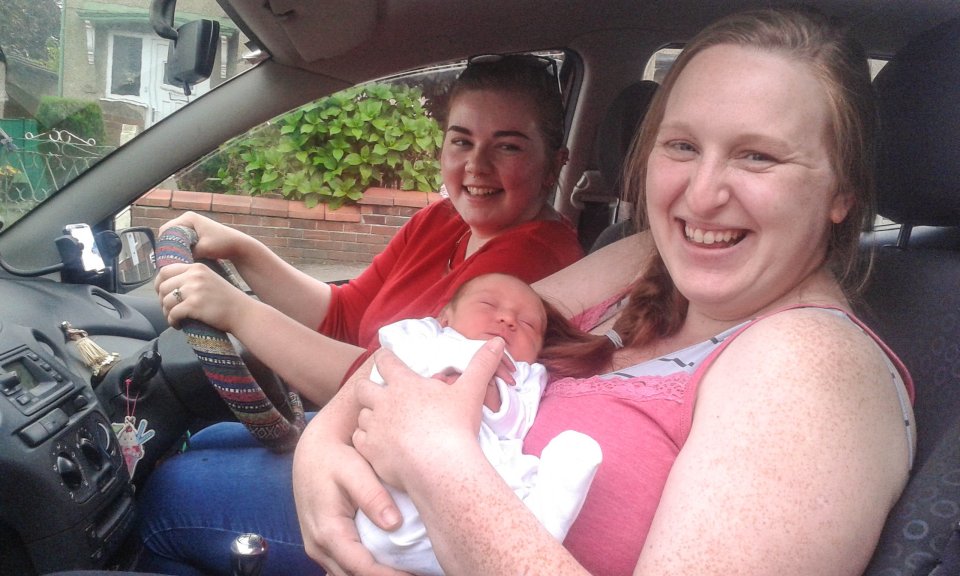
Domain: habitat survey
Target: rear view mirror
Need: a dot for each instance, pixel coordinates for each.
(191, 56)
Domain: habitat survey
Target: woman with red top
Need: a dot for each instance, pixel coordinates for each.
(502, 153)
(501, 156)
(749, 423)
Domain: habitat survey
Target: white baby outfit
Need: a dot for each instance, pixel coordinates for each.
(553, 486)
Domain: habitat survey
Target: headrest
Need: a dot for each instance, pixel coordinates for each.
(619, 126)
(918, 176)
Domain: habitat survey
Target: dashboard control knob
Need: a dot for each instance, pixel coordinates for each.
(69, 471)
(104, 437)
(91, 452)
(80, 402)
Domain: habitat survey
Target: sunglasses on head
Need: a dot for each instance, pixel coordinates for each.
(531, 60)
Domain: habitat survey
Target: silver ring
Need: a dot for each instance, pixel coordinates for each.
(178, 295)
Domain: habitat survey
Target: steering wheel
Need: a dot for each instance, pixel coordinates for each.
(224, 367)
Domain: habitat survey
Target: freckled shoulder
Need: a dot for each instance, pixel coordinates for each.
(796, 425)
(819, 339)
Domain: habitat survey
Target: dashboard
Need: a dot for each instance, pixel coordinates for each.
(66, 497)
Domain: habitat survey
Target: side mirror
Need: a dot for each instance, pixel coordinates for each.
(136, 264)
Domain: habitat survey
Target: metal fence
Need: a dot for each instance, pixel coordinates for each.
(33, 166)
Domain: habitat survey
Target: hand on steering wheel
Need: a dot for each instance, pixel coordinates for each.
(225, 368)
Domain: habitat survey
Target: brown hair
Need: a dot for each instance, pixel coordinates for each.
(521, 74)
(656, 308)
(840, 63)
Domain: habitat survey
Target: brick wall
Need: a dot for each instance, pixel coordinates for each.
(300, 235)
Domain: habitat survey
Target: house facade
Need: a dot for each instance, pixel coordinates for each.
(107, 49)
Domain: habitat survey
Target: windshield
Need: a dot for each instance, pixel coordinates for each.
(80, 78)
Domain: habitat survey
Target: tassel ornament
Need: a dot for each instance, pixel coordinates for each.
(98, 360)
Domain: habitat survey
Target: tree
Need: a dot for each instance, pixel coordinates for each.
(27, 26)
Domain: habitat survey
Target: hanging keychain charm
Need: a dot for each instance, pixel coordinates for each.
(131, 437)
(131, 434)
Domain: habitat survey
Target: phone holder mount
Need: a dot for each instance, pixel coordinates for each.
(71, 263)
(72, 270)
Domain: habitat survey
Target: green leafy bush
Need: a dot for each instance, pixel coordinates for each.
(204, 175)
(82, 118)
(333, 149)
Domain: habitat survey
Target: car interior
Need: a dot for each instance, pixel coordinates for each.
(910, 300)
(67, 503)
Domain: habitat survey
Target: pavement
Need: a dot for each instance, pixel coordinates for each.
(334, 271)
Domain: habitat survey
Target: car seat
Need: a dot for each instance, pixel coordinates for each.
(618, 129)
(913, 299)
(614, 136)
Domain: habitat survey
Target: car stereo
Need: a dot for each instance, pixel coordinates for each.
(29, 382)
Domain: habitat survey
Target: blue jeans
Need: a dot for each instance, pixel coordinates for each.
(195, 504)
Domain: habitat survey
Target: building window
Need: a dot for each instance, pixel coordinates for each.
(126, 66)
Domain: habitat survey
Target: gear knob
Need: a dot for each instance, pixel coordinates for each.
(247, 555)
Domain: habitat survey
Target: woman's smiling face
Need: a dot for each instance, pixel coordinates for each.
(740, 186)
(495, 162)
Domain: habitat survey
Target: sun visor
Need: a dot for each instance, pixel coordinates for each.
(319, 29)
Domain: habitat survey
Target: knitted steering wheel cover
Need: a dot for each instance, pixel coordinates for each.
(225, 368)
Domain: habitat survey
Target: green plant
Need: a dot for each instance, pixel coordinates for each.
(333, 149)
(203, 175)
(82, 118)
(53, 54)
(8, 176)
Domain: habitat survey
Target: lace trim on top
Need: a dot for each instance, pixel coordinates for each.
(629, 388)
(667, 377)
(597, 314)
(663, 378)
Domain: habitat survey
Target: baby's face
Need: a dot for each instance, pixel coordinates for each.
(502, 306)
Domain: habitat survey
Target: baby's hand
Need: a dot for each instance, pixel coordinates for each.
(505, 370)
(491, 398)
(448, 375)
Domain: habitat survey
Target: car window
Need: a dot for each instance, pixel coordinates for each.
(381, 134)
(327, 184)
(79, 79)
(295, 181)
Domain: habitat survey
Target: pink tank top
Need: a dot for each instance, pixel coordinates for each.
(641, 417)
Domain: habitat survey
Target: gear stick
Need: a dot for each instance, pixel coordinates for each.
(247, 555)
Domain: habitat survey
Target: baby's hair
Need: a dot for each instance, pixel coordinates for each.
(560, 335)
